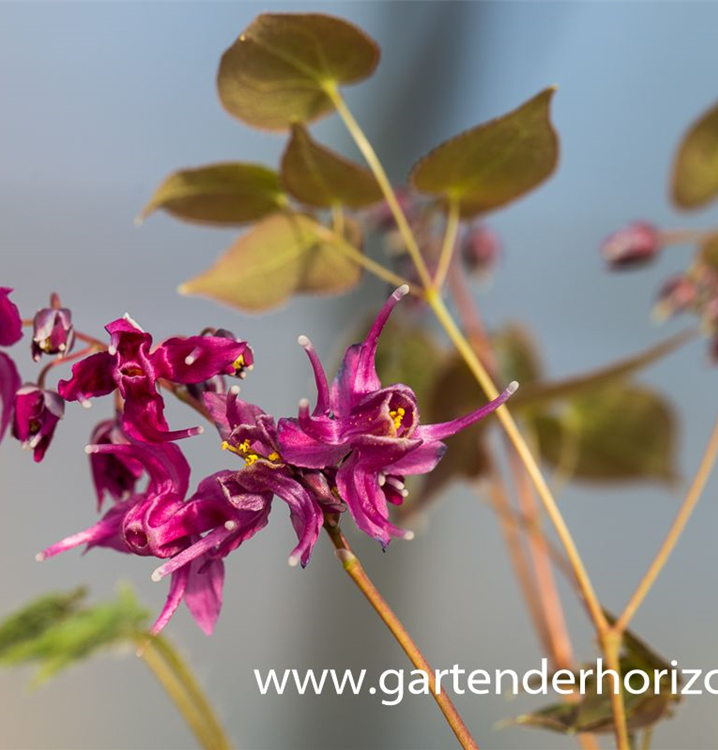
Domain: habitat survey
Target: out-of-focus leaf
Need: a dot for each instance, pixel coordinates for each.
(319, 177)
(517, 356)
(77, 634)
(222, 194)
(695, 172)
(709, 252)
(282, 255)
(278, 70)
(593, 712)
(615, 434)
(536, 394)
(35, 618)
(494, 163)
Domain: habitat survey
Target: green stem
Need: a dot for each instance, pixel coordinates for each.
(447, 246)
(356, 572)
(179, 683)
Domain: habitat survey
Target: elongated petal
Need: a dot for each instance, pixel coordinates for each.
(420, 460)
(178, 586)
(198, 358)
(320, 377)
(91, 377)
(447, 429)
(203, 595)
(9, 385)
(10, 320)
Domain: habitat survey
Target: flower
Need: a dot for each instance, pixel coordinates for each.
(372, 434)
(36, 414)
(53, 332)
(636, 244)
(131, 366)
(9, 384)
(10, 320)
(480, 249)
(113, 474)
(251, 434)
(191, 536)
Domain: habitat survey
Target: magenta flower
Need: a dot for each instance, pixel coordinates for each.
(113, 474)
(134, 368)
(10, 320)
(251, 434)
(192, 536)
(36, 414)
(9, 384)
(372, 434)
(53, 332)
(634, 245)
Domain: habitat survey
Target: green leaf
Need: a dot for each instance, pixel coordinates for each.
(35, 618)
(282, 255)
(279, 69)
(517, 354)
(695, 171)
(319, 177)
(533, 394)
(494, 163)
(76, 634)
(616, 434)
(222, 194)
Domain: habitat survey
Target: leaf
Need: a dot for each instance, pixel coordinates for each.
(75, 635)
(517, 355)
(534, 394)
(695, 171)
(494, 163)
(222, 194)
(280, 68)
(282, 255)
(319, 177)
(35, 618)
(709, 252)
(616, 434)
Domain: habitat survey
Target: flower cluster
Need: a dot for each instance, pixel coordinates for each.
(351, 452)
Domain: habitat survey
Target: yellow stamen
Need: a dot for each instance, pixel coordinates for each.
(397, 415)
(273, 456)
(238, 363)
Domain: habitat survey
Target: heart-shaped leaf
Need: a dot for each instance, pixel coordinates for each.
(223, 194)
(494, 163)
(319, 177)
(695, 171)
(280, 68)
(282, 255)
(621, 433)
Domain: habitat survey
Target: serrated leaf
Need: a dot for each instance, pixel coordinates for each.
(278, 70)
(494, 163)
(319, 177)
(620, 433)
(35, 618)
(695, 171)
(282, 255)
(222, 194)
(78, 635)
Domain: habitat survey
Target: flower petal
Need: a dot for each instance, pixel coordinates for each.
(203, 595)
(9, 385)
(10, 320)
(91, 377)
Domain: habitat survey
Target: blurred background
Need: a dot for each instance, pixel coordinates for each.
(101, 101)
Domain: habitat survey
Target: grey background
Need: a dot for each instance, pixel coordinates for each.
(100, 101)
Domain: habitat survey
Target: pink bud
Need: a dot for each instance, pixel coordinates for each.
(676, 295)
(633, 245)
(480, 249)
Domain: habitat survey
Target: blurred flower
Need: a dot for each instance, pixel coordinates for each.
(676, 295)
(36, 414)
(52, 332)
(372, 434)
(634, 245)
(480, 249)
(10, 320)
(131, 366)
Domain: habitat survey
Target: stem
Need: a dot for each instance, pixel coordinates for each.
(509, 425)
(679, 523)
(683, 236)
(377, 169)
(611, 647)
(61, 361)
(180, 685)
(356, 572)
(360, 258)
(647, 737)
(447, 247)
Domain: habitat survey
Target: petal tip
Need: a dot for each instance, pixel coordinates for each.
(512, 387)
(402, 291)
(304, 341)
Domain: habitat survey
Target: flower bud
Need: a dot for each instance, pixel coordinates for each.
(52, 332)
(113, 474)
(480, 249)
(36, 415)
(636, 244)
